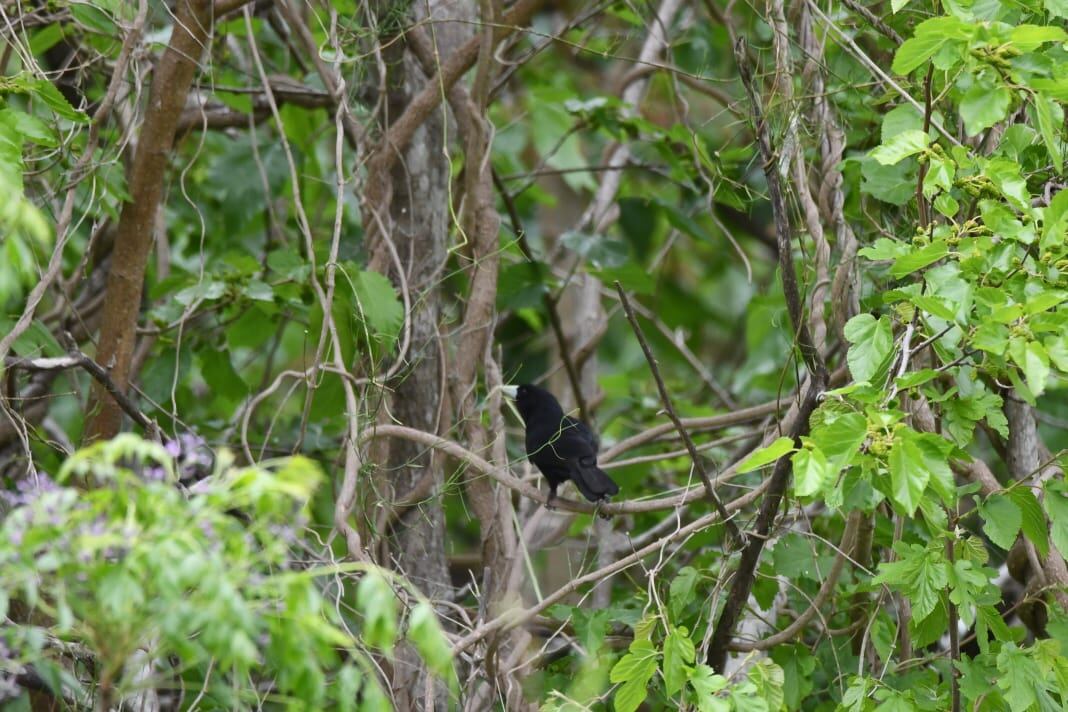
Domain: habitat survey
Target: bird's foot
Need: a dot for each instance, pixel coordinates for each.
(550, 502)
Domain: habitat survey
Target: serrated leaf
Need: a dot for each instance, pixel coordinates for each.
(1002, 520)
(920, 573)
(706, 683)
(377, 300)
(766, 455)
(679, 652)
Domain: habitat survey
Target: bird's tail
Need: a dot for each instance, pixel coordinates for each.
(593, 482)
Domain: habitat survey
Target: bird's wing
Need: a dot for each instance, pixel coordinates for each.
(583, 430)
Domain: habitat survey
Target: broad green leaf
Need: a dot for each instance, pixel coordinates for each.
(706, 683)
(918, 259)
(679, 654)
(768, 679)
(984, 105)
(375, 600)
(1033, 360)
(811, 471)
(930, 36)
(1021, 679)
(767, 455)
(634, 670)
(377, 301)
(947, 205)
(1033, 521)
(840, 438)
(908, 474)
(1028, 38)
(920, 573)
(872, 342)
(1002, 520)
(900, 147)
(1005, 174)
(681, 591)
(424, 630)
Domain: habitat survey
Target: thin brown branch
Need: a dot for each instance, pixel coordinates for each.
(665, 399)
(513, 617)
(810, 352)
(790, 632)
(134, 236)
(548, 299)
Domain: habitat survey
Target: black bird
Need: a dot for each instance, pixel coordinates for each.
(562, 447)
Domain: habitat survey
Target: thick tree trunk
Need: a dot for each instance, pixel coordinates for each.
(418, 228)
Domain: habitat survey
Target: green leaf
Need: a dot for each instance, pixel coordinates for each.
(811, 471)
(766, 455)
(679, 654)
(918, 259)
(768, 679)
(634, 670)
(1028, 38)
(1056, 504)
(375, 600)
(378, 302)
(946, 204)
(424, 630)
(1020, 678)
(908, 474)
(1045, 109)
(840, 438)
(900, 147)
(983, 105)
(706, 683)
(872, 342)
(47, 92)
(1033, 522)
(920, 573)
(1033, 360)
(681, 591)
(1002, 520)
(30, 127)
(930, 36)
(1056, 8)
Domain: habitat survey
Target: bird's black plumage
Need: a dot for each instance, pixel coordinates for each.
(560, 446)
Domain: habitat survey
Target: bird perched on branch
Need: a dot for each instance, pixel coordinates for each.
(560, 446)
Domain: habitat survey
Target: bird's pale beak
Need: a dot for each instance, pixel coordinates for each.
(510, 391)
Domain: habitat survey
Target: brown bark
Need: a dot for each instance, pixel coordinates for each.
(1025, 465)
(418, 219)
(133, 241)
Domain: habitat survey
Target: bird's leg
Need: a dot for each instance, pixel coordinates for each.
(598, 511)
(551, 498)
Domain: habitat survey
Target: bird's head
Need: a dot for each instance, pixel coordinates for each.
(530, 399)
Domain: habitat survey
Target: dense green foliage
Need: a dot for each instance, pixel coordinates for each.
(253, 546)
